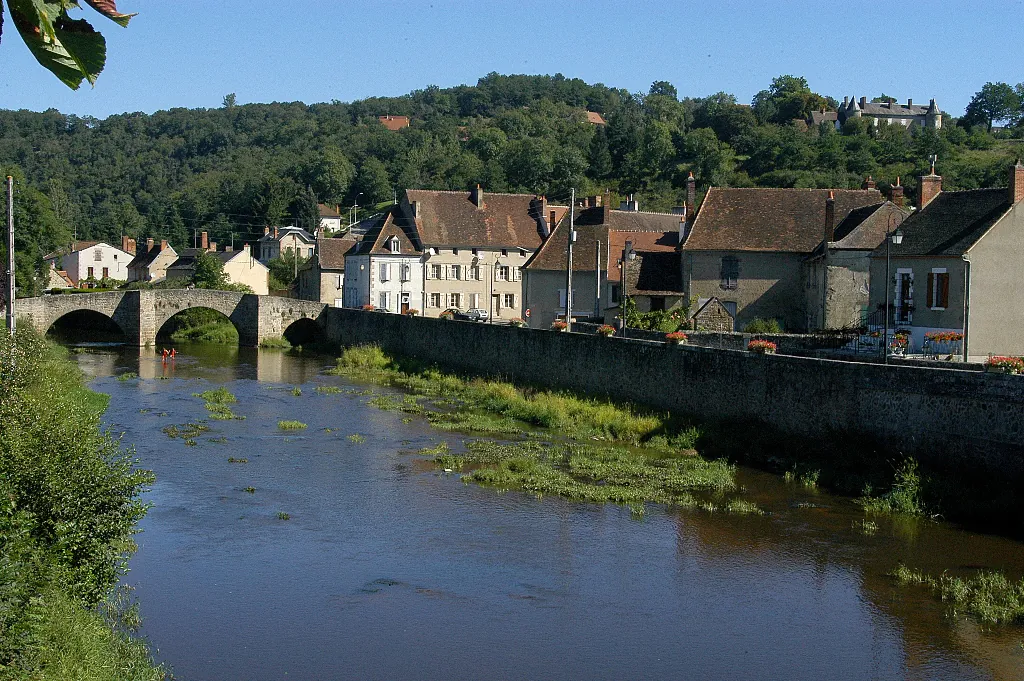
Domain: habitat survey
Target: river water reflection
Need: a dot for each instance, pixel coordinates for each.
(386, 568)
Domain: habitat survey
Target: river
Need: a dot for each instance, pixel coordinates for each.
(354, 558)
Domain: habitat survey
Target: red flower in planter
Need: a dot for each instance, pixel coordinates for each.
(606, 330)
(676, 338)
(559, 326)
(368, 308)
(762, 347)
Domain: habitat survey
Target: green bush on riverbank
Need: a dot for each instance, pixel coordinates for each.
(69, 504)
(987, 596)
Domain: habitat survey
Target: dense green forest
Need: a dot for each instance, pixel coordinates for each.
(233, 170)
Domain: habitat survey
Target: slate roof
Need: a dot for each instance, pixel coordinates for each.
(818, 117)
(331, 252)
(282, 232)
(655, 274)
(552, 255)
(451, 219)
(186, 261)
(146, 258)
(327, 211)
(376, 237)
(770, 220)
(951, 223)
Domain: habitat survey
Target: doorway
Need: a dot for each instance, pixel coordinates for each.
(405, 303)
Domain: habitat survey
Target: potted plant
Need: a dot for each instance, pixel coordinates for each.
(412, 312)
(560, 326)
(368, 308)
(447, 314)
(517, 322)
(762, 347)
(606, 330)
(676, 338)
(1005, 365)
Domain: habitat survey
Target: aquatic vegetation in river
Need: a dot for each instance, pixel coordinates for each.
(216, 402)
(232, 459)
(987, 596)
(186, 431)
(806, 478)
(866, 527)
(250, 490)
(297, 391)
(903, 498)
(127, 376)
(327, 390)
(291, 425)
(357, 438)
(281, 515)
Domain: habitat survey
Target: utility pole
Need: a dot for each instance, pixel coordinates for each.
(10, 255)
(568, 264)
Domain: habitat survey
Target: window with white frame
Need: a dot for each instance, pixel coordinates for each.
(394, 245)
(337, 281)
(456, 271)
(455, 300)
(474, 300)
(474, 272)
(503, 273)
(938, 288)
(435, 271)
(383, 300)
(509, 300)
(435, 300)
(383, 271)
(406, 272)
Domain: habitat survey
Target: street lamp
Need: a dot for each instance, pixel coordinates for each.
(896, 237)
(355, 211)
(628, 256)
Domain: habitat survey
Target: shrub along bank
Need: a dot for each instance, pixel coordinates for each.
(69, 504)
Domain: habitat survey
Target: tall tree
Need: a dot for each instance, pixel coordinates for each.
(209, 272)
(307, 211)
(995, 102)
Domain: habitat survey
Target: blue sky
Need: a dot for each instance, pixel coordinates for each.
(191, 53)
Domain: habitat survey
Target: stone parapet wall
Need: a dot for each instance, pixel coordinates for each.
(788, 343)
(945, 416)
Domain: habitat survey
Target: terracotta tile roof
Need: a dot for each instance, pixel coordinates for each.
(328, 211)
(331, 252)
(595, 118)
(374, 243)
(865, 228)
(951, 223)
(394, 123)
(452, 219)
(780, 220)
(73, 248)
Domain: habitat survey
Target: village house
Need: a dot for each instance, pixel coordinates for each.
(93, 260)
(385, 269)
(907, 115)
(240, 267)
(279, 240)
(957, 267)
(474, 246)
(747, 248)
(653, 275)
(394, 123)
(330, 219)
(323, 277)
(57, 279)
(838, 272)
(151, 261)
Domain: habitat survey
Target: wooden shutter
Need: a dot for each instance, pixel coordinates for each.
(944, 290)
(931, 290)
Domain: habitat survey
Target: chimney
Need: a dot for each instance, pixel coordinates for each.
(478, 197)
(128, 244)
(928, 187)
(632, 205)
(266, 231)
(830, 217)
(149, 245)
(846, 102)
(869, 183)
(213, 246)
(863, 102)
(682, 226)
(896, 193)
(163, 244)
(1017, 182)
(691, 196)
(204, 241)
(275, 233)
(910, 103)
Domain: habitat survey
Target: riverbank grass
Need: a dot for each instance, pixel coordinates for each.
(986, 596)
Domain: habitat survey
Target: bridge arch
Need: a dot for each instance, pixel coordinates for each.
(85, 324)
(235, 306)
(303, 331)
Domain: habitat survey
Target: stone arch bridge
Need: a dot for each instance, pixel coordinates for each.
(141, 314)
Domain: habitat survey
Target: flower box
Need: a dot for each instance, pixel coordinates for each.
(368, 308)
(517, 322)
(1005, 365)
(606, 330)
(762, 347)
(676, 338)
(412, 312)
(559, 326)
(447, 314)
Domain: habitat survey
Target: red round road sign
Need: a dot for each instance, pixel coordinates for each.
(527, 313)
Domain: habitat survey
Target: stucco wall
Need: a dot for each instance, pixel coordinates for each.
(542, 291)
(770, 285)
(996, 316)
(486, 287)
(942, 415)
(244, 269)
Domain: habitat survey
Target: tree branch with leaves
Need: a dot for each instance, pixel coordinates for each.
(70, 48)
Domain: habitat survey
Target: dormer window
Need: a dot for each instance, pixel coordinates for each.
(393, 245)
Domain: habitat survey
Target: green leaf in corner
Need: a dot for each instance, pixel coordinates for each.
(71, 49)
(108, 8)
